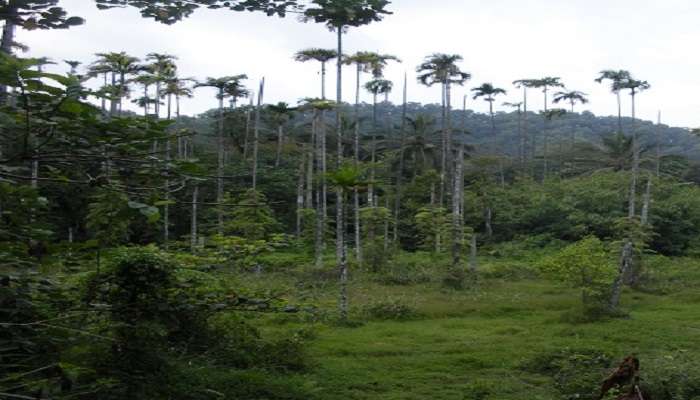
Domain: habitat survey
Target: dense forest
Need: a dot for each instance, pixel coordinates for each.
(335, 248)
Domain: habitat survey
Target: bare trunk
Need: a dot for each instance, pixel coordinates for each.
(625, 264)
(356, 193)
(280, 142)
(631, 212)
(320, 211)
(340, 195)
(457, 231)
(370, 187)
(256, 134)
(309, 203)
(300, 195)
(399, 175)
(220, 165)
(647, 202)
(488, 214)
(619, 112)
(247, 129)
(658, 145)
(443, 158)
(6, 44)
(193, 226)
(166, 208)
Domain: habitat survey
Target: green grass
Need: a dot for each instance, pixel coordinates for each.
(475, 344)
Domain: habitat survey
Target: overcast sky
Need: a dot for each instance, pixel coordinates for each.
(500, 40)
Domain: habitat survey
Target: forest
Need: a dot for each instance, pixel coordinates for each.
(335, 248)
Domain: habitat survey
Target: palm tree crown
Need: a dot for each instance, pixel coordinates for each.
(441, 68)
(488, 92)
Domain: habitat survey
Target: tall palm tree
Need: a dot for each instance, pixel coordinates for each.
(318, 107)
(489, 93)
(145, 80)
(179, 88)
(322, 56)
(362, 61)
(572, 97)
(526, 84)
(221, 85)
(377, 87)
(635, 87)
(442, 69)
(545, 84)
(281, 114)
(121, 66)
(163, 68)
(617, 78)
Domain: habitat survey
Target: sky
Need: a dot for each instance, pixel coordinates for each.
(500, 40)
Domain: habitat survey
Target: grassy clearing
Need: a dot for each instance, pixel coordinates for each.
(505, 340)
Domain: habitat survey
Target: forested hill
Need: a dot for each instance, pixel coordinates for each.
(582, 127)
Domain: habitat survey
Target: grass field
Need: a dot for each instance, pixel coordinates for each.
(516, 336)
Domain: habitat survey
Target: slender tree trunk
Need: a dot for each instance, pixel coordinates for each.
(280, 142)
(247, 128)
(647, 202)
(457, 231)
(443, 135)
(300, 195)
(373, 154)
(220, 165)
(323, 80)
(631, 212)
(521, 136)
(658, 146)
(399, 175)
(340, 195)
(449, 145)
(166, 208)
(625, 265)
(343, 269)
(356, 193)
(103, 98)
(113, 99)
(619, 112)
(6, 44)
(487, 221)
(525, 126)
(256, 134)
(310, 167)
(320, 215)
(193, 226)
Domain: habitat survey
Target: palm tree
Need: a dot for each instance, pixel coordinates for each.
(319, 55)
(318, 107)
(73, 66)
(525, 84)
(178, 88)
(163, 68)
(572, 97)
(545, 84)
(377, 87)
(489, 93)
(146, 80)
(120, 66)
(442, 68)
(221, 85)
(362, 61)
(617, 79)
(281, 114)
(635, 87)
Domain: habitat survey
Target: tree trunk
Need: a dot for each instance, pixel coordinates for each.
(625, 264)
(399, 175)
(457, 231)
(658, 145)
(256, 134)
(280, 142)
(340, 219)
(356, 193)
(220, 165)
(6, 44)
(300, 195)
(113, 101)
(488, 214)
(443, 134)
(370, 186)
(631, 212)
(247, 128)
(647, 202)
(619, 111)
(320, 211)
(309, 202)
(166, 208)
(193, 226)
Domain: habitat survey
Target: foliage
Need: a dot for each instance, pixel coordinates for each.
(252, 217)
(586, 264)
(433, 226)
(392, 309)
